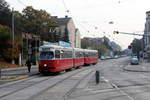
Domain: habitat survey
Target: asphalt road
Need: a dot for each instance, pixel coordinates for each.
(117, 84)
(40, 87)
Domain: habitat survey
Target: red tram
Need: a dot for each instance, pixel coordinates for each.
(54, 58)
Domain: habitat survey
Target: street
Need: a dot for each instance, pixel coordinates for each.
(115, 84)
(74, 50)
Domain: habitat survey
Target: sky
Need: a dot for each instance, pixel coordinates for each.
(92, 17)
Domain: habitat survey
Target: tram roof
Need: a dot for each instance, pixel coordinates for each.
(54, 47)
(89, 50)
(61, 47)
(78, 49)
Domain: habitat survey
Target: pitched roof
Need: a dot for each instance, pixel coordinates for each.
(62, 21)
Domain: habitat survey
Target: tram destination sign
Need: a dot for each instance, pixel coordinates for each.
(46, 49)
(64, 44)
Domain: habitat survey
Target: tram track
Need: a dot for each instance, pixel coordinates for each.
(59, 82)
(19, 83)
(36, 83)
(74, 87)
(116, 87)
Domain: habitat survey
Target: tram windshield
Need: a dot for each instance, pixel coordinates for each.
(46, 55)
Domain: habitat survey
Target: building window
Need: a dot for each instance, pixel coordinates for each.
(148, 26)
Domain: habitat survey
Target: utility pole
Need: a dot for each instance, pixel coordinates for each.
(143, 36)
(13, 62)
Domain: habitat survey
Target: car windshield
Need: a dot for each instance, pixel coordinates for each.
(46, 55)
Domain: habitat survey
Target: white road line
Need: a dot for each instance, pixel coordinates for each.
(121, 91)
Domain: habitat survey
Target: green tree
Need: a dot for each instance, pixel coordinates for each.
(86, 44)
(106, 43)
(6, 51)
(101, 49)
(5, 36)
(18, 22)
(5, 13)
(37, 22)
(136, 46)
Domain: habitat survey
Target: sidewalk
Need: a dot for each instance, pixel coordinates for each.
(13, 74)
(17, 68)
(142, 67)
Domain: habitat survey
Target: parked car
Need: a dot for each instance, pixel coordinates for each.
(108, 57)
(115, 57)
(102, 58)
(134, 60)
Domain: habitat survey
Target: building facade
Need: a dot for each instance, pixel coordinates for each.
(147, 31)
(77, 39)
(67, 31)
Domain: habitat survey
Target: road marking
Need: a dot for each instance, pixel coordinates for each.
(143, 68)
(121, 66)
(115, 86)
(13, 78)
(124, 93)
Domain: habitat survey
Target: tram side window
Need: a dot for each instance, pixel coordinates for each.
(70, 54)
(93, 54)
(78, 54)
(46, 55)
(57, 54)
(67, 54)
(86, 54)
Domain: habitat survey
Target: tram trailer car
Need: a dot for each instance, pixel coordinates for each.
(90, 57)
(78, 57)
(54, 58)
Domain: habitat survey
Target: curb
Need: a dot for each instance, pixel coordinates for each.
(132, 70)
(13, 78)
(17, 68)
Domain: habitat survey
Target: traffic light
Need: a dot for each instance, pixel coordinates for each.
(129, 47)
(115, 32)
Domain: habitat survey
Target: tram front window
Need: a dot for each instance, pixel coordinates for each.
(46, 55)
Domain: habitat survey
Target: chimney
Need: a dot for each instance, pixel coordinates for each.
(66, 16)
(55, 17)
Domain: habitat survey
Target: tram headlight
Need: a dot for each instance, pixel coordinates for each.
(45, 65)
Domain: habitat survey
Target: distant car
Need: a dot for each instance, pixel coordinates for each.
(102, 58)
(134, 61)
(108, 57)
(115, 57)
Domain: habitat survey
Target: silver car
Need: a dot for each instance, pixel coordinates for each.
(134, 61)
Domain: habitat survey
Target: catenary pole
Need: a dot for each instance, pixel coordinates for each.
(13, 36)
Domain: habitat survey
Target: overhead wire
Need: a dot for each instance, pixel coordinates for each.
(69, 12)
(108, 36)
(88, 31)
(19, 1)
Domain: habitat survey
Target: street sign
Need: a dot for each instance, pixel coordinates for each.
(64, 44)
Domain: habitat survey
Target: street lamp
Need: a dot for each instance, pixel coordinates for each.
(13, 61)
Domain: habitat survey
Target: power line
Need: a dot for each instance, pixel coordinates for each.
(69, 12)
(21, 3)
(65, 6)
